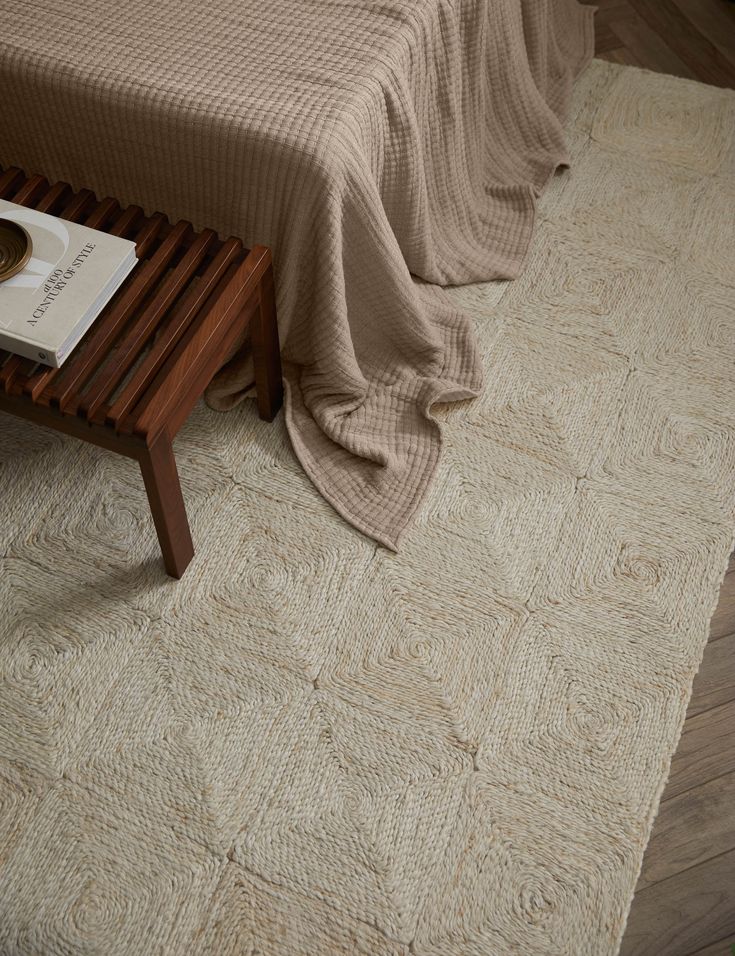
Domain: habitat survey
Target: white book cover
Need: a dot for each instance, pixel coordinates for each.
(72, 273)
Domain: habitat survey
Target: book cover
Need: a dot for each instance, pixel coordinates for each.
(72, 273)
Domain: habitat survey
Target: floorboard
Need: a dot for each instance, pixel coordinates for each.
(715, 20)
(685, 913)
(685, 901)
(703, 58)
(638, 38)
(690, 829)
(691, 38)
(723, 623)
(723, 947)
(705, 751)
(715, 682)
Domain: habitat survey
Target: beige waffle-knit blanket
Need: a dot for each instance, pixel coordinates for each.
(363, 140)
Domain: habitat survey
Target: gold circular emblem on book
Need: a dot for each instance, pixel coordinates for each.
(15, 248)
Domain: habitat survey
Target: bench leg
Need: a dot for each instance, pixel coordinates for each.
(267, 351)
(158, 465)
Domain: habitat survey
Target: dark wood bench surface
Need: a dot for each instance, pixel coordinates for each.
(135, 376)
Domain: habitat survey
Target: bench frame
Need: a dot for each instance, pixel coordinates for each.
(134, 378)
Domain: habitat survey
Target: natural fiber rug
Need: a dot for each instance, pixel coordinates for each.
(311, 746)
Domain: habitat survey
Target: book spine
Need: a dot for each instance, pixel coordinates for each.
(28, 350)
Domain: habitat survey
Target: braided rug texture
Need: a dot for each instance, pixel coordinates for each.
(313, 746)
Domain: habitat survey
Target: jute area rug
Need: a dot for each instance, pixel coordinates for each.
(311, 746)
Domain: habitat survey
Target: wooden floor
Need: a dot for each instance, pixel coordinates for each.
(691, 38)
(685, 900)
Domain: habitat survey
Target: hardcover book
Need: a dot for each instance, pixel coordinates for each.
(72, 274)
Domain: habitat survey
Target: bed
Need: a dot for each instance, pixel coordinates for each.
(368, 142)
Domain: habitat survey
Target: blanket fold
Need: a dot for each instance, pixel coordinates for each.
(366, 141)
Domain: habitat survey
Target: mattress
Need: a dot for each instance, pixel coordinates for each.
(370, 143)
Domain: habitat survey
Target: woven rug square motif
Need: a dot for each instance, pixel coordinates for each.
(318, 746)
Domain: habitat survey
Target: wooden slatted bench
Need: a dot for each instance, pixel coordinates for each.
(134, 378)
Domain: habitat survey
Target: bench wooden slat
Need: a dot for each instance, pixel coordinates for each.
(101, 213)
(9, 181)
(77, 205)
(170, 400)
(147, 234)
(55, 194)
(79, 368)
(9, 371)
(31, 191)
(24, 370)
(183, 315)
(126, 221)
(125, 353)
(172, 386)
(38, 381)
